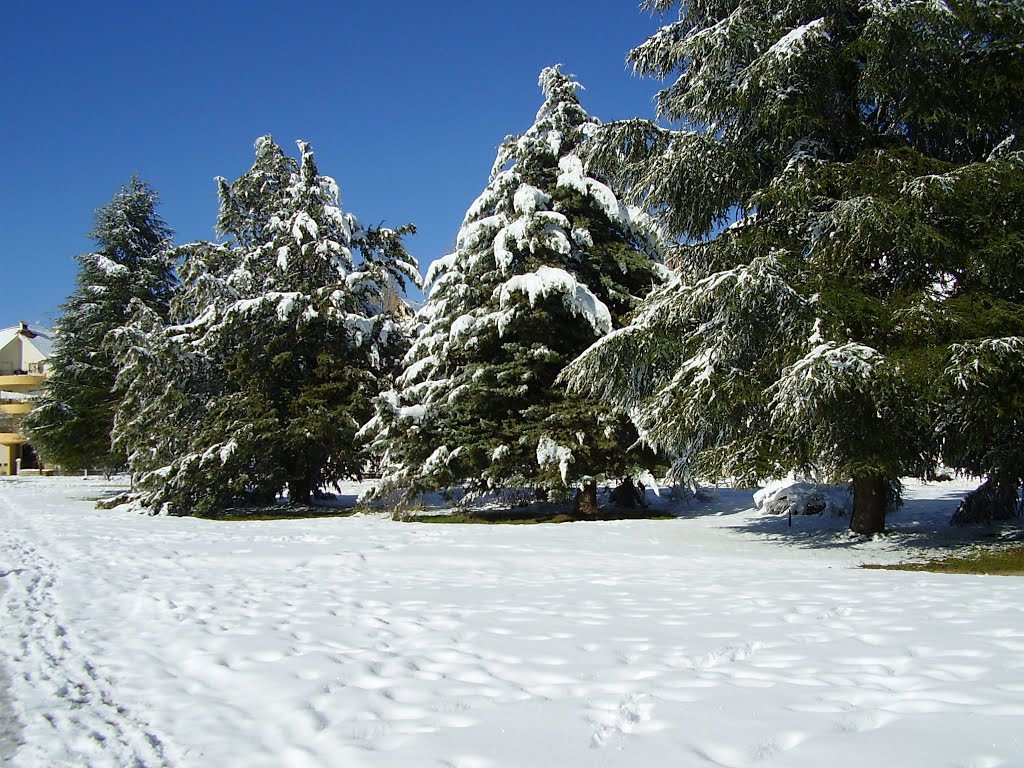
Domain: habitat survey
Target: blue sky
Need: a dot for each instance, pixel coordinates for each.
(404, 104)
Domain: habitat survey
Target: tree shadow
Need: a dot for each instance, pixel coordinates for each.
(920, 528)
(719, 502)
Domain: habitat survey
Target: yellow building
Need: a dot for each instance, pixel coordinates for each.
(23, 355)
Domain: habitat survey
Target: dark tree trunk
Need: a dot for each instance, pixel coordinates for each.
(303, 473)
(300, 490)
(869, 502)
(626, 494)
(585, 504)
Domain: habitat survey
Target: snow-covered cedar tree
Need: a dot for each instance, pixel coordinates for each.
(547, 261)
(72, 421)
(279, 341)
(866, 158)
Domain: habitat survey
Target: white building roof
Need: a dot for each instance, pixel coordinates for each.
(40, 339)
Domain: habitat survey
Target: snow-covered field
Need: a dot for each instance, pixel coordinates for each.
(719, 639)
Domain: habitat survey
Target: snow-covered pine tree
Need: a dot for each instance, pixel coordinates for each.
(72, 421)
(547, 260)
(852, 144)
(280, 341)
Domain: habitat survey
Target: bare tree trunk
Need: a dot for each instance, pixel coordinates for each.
(299, 490)
(869, 502)
(302, 477)
(585, 503)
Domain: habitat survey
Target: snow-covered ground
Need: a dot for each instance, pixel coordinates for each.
(723, 638)
(10, 727)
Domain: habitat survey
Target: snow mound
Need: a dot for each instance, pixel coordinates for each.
(783, 497)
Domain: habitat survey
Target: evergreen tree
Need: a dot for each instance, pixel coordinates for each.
(72, 421)
(868, 154)
(547, 260)
(279, 343)
(983, 425)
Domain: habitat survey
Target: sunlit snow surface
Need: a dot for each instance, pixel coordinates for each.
(722, 638)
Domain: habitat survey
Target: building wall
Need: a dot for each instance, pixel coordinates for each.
(19, 353)
(10, 357)
(8, 457)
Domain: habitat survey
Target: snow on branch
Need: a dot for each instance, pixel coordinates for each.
(551, 454)
(576, 297)
(971, 362)
(822, 376)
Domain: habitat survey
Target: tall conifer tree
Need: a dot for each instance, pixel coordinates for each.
(279, 343)
(547, 261)
(869, 154)
(72, 421)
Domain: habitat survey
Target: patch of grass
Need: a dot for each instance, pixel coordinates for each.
(279, 512)
(992, 561)
(532, 516)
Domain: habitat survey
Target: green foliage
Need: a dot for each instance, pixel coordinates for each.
(280, 340)
(995, 499)
(981, 406)
(288, 511)
(874, 180)
(534, 515)
(72, 421)
(546, 262)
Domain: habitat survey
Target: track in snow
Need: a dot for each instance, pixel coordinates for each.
(72, 704)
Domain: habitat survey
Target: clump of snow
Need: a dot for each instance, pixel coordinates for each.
(437, 460)
(796, 39)
(783, 497)
(550, 453)
(472, 234)
(570, 174)
(528, 199)
(822, 375)
(303, 224)
(109, 266)
(582, 237)
(227, 451)
(531, 233)
(576, 297)
(285, 305)
(463, 326)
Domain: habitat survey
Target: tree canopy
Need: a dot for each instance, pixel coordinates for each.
(847, 179)
(279, 341)
(547, 261)
(72, 420)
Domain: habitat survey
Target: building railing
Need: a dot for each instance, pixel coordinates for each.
(32, 369)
